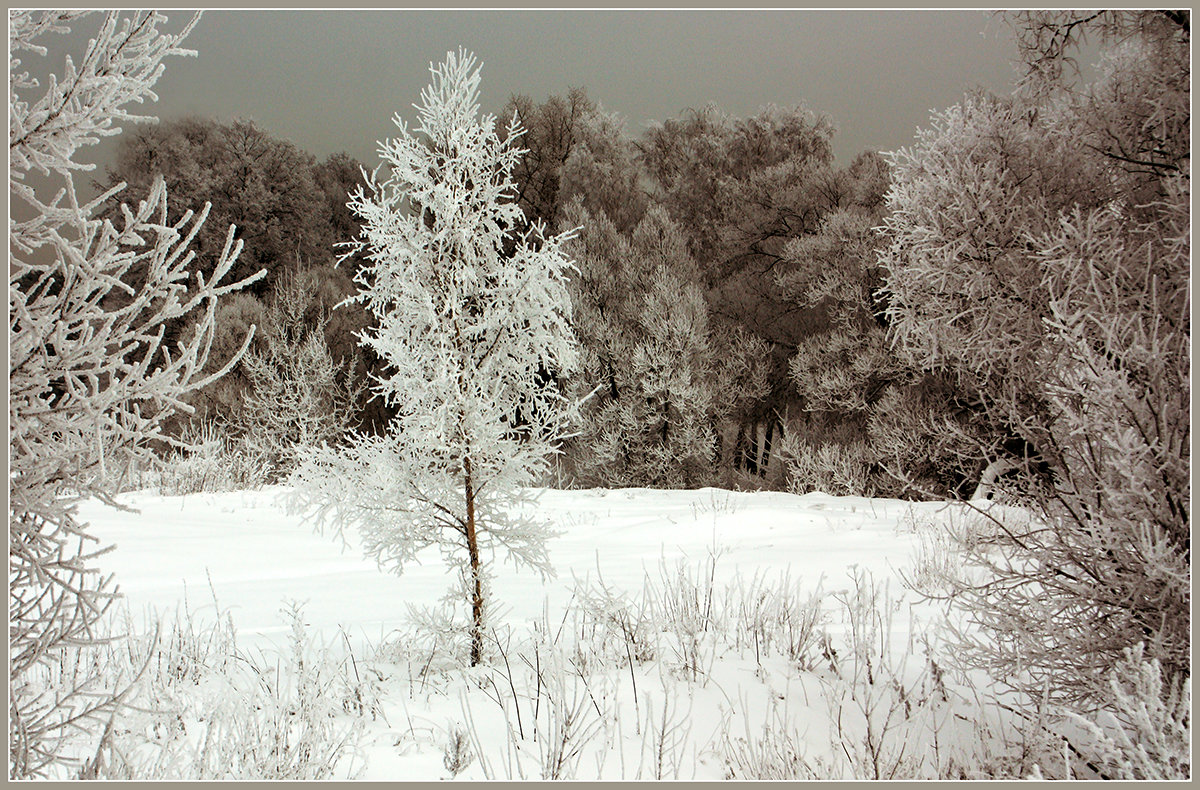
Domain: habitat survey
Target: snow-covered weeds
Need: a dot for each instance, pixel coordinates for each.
(693, 671)
(774, 750)
(881, 703)
(211, 460)
(206, 709)
(755, 678)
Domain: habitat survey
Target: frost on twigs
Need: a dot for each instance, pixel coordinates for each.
(1039, 254)
(91, 376)
(298, 396)
(473, 321)
(120, 66)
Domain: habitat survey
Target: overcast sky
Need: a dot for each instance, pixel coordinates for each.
(331, 80)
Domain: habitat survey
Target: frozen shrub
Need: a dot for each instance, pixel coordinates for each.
(617, 625)
(888, 704)
(936, 560)
(1147, 732)
(458, 755)
(775, 752)
(837, 469)
(569, 720)
(688, 608)
(775, 618)
(93, 376)
(1039, 255)
(220, 400)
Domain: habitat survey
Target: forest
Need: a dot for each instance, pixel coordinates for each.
(418, 355)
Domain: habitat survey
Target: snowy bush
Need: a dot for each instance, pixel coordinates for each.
(776, 618)
(840, 470)
(773, 752)
(1039, 254)
(936, 561)
(1147, 734)
(91, 377)
(877, 701)
(689, 610)
(458, 755)
(619, 625)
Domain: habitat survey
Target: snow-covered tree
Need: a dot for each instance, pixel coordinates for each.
(264, 185)
(90, 378)
(860, 402)
(473, 320)
(740, 190)
(289, 210)
(297, 394)
(575, 149)
(648, 355)
(603, 170)
(738, 186)
(1039, 254)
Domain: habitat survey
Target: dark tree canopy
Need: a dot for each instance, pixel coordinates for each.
(291, 213)
(573, 149)
(288, 208)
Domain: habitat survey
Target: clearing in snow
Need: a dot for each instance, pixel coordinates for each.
(701, 634)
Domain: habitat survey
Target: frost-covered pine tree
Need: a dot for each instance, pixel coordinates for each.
(91, 379)
(473, 321)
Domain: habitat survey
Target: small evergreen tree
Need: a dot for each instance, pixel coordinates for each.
(470, 317)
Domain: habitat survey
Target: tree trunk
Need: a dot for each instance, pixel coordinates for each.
(765, 464)
(476, 579)
(741, 457)
(990, 475)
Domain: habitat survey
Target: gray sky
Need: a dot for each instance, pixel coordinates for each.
(331, 80)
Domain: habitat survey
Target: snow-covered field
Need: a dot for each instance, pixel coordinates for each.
(257, 556)
(708, 657)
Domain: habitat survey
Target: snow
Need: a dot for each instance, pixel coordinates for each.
(256, 558)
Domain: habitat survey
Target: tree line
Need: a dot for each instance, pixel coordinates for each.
(725, 294)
